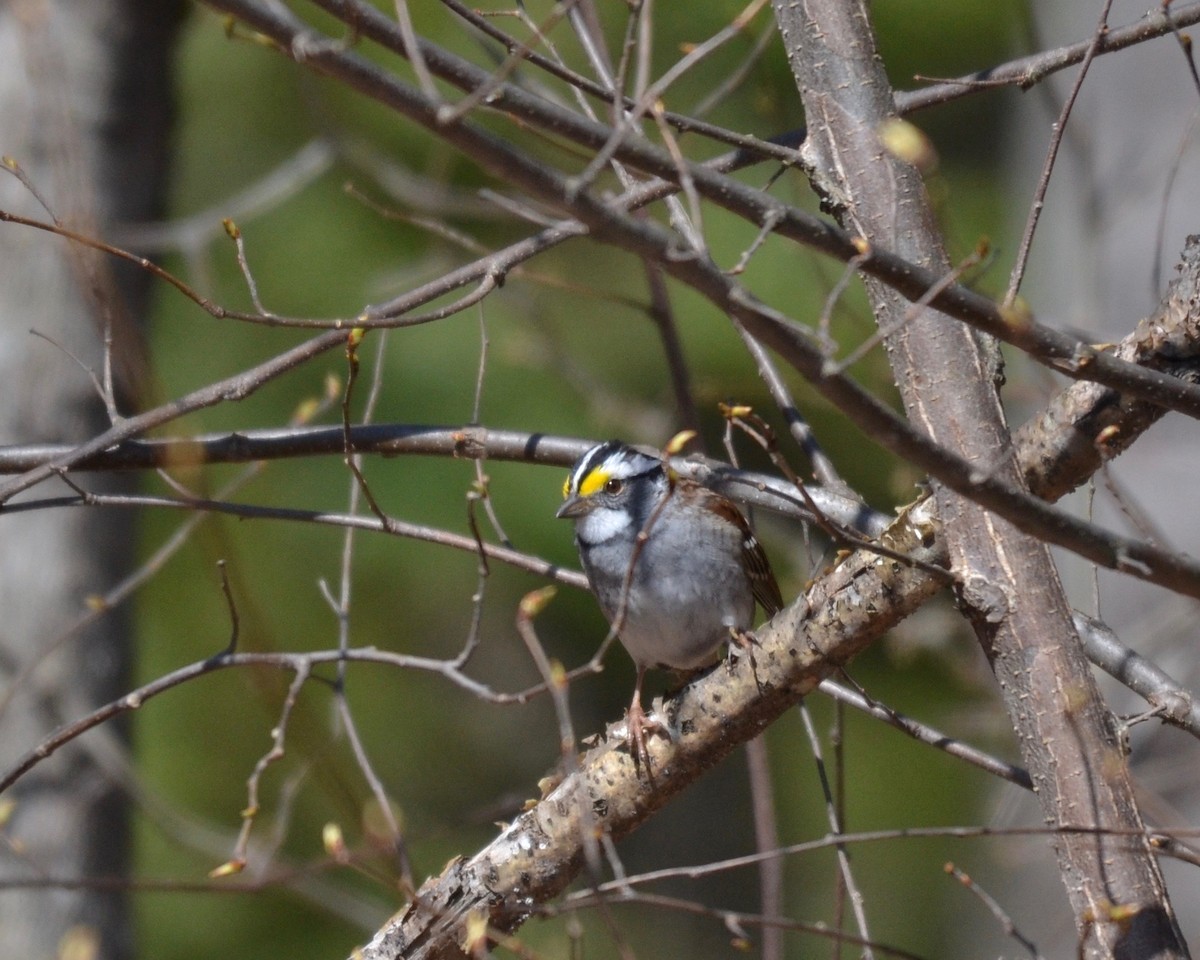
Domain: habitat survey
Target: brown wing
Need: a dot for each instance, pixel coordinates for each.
(762, 580)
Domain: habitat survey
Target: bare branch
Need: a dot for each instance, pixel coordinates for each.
(1028, 71)
(466, 442)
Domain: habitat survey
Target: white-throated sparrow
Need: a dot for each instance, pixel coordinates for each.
(674, 565)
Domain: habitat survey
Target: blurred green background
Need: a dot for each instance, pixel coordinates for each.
(572, 351)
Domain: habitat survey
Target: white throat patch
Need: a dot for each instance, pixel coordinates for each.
(602, 524)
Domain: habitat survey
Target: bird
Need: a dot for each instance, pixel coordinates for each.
(674, 565)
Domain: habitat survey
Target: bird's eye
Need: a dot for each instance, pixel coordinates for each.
(614, 485)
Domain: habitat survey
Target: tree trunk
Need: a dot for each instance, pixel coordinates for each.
(1006, 582)
(85, 114)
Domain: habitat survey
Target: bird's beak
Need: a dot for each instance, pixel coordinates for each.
(574, 506)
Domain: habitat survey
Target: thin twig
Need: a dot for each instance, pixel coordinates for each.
(766, 838)
(831, 841)
(238, 861)
(997, 911)
(835, 828)
(646, 98)
(735, 921)
(1039, 196)
(924, 733)
(233, 231)
(734, 78)
(448, 115)
(663, 315)
(822, 467)
(1026, 72)
(291, 662)
(416, 58)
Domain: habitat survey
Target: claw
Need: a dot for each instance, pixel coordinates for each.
(741, 642)
(743, 639)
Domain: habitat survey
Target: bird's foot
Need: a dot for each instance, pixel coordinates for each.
(741, 643)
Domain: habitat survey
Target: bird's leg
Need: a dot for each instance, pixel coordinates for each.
(637, 723)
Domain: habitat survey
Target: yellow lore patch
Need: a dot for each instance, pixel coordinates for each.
(594, 481)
